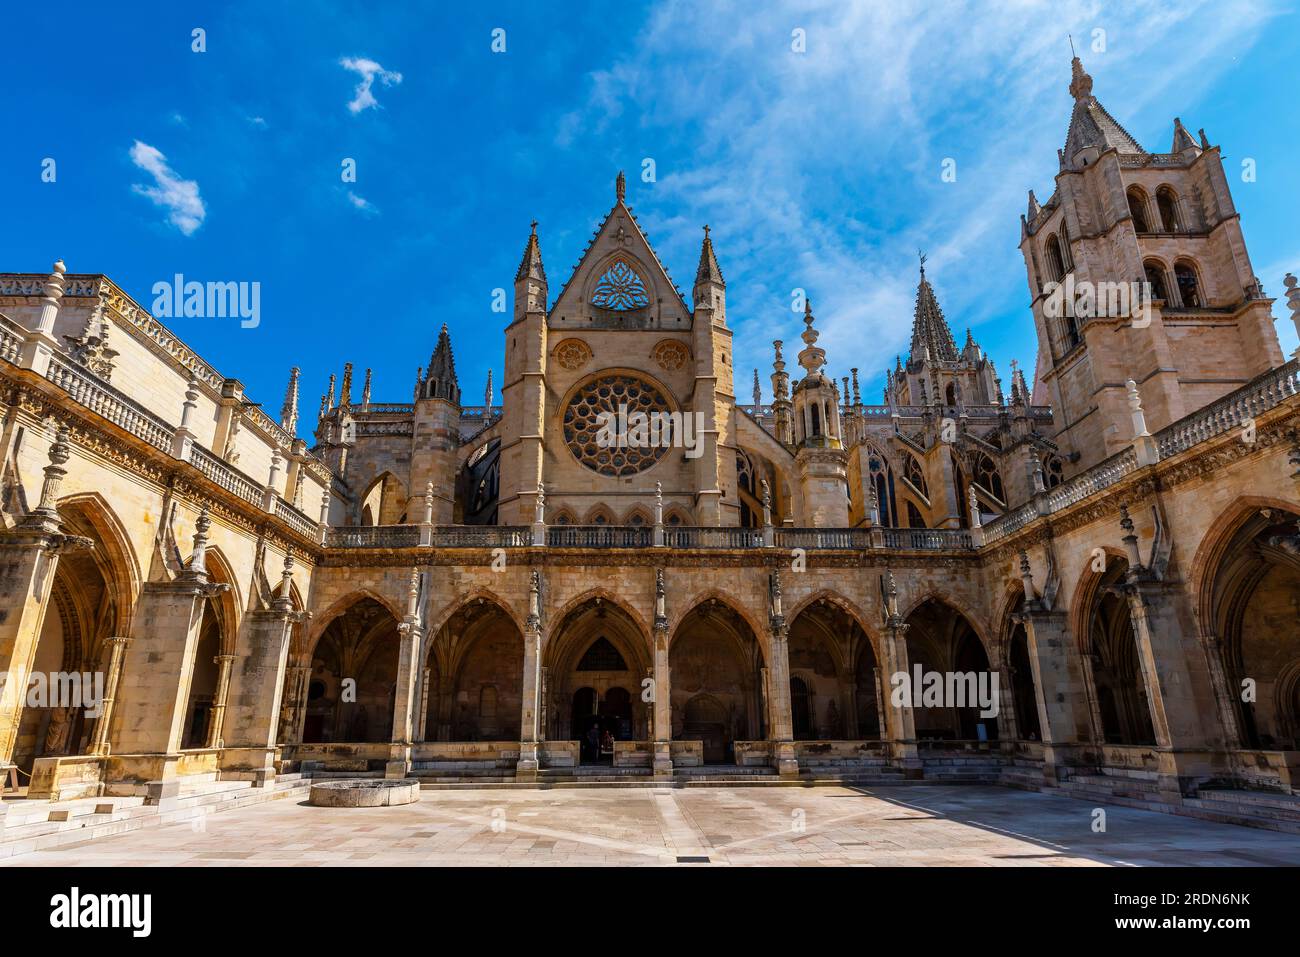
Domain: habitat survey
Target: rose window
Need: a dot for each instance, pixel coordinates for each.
(596, 425)
(620, 288)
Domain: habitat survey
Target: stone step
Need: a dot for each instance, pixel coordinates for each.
(1287, 804)
(135, 816)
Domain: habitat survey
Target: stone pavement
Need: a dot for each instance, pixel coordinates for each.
(878, 826)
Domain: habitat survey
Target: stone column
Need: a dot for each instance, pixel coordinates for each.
(1008, 730)
(160, 659)
(1064, 712)
(99, 743)
(780, 725)
(424, 703)
(399, 757)
(900, 718)
(662, 722)
(257, 686)
(29, 557)
(292, 709)
(1225, 695)
(218, 714)
(526, 769)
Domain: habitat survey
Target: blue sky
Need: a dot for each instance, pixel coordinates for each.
(819, 170)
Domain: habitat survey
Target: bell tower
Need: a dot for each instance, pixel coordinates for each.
(1138, 269)
(821, 458)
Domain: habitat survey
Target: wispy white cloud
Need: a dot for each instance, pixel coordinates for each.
(180, 197)
(257, 121)
(369, 71)
(363, 204)
(821, 170)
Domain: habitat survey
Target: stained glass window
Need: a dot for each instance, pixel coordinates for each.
(620, 288)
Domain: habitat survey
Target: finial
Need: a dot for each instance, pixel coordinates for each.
(620, 186)
(758, 391)
(1070, 36)
(533, 226)
(1080, 81)
(706, 231)
(922, 257)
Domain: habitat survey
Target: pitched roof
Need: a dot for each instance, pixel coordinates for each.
(530, 266)
(929, 327)
(708, 270)
(634, 240)
(1090, 124)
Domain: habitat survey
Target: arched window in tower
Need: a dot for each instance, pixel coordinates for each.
(620, 288)
(1155, 274)
(816, 419)
(950, 395)
(1055, 264)
(745, 482)
(1053, 470)
(1066, 258)
(916, 476)
(1189, 288)
(882, 480)
(1167, 203)
(988, 478)
(1137, 207)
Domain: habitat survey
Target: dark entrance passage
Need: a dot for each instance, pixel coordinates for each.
(598, 722)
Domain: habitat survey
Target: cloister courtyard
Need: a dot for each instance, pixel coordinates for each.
(920, 825)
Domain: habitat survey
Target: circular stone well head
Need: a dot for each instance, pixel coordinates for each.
(364, 793)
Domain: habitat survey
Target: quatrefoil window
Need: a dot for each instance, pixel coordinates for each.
(620, 288)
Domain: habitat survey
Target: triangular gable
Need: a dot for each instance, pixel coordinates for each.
(619, 244)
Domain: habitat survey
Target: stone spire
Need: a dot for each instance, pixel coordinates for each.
(780, 378)
(289, 411)
(1034, 209)
(530, 266)
(440, 379)
(811, 357)
(345, 392)
(487, 395)
(930, 333)
(620, 187)
(1182, 139)
(365, 389)
(329, 398)
(1090, 124)
(758, 390)
(708, 270)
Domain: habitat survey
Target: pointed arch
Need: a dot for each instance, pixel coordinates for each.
(638, 515)
(477, 595)
(113, 553)
(1214, 546)
(384, 500)
(605, 595)
(340, 606)
(1087, 581)
(732, 604)
(943, 598)
(227, 606)
(599, 515)
(844, 605)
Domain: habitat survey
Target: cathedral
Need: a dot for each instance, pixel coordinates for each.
(500, 592)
